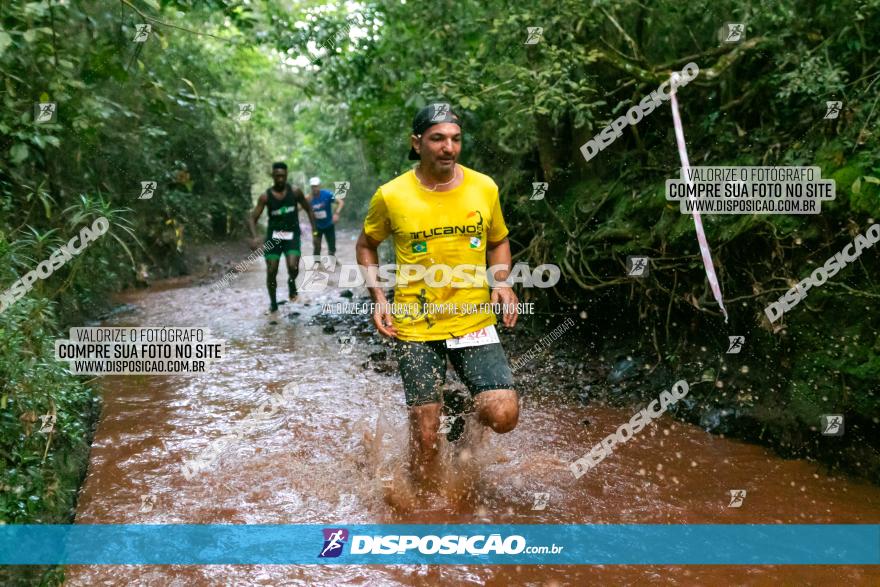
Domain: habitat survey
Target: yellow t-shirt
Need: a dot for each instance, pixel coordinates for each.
(434, 229)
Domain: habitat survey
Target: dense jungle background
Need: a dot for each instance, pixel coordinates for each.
(334, 88)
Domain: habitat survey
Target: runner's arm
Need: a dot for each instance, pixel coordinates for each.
(255, 215)
(499, 254)
(367, 254)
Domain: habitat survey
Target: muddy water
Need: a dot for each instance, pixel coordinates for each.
(333, 456)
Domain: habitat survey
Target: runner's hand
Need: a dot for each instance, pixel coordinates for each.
(255, 243)
(506, 297)
(335, 218)
(383, 320)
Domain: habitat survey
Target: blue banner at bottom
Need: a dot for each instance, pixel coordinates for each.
(460, 544)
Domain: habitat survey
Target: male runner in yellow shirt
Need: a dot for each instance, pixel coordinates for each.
(442, 215)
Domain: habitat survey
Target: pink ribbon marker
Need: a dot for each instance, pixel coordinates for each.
(698, 222)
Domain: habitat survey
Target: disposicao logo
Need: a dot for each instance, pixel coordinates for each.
(334, 540)
(473, 545)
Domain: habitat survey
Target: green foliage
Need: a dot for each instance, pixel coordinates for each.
(528, 108)
(335, 92)
(41, 471)
(127, 112)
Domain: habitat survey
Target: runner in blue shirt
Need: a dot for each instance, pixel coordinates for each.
(325, 215)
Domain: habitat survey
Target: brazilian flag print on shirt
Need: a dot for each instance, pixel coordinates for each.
(439, 228)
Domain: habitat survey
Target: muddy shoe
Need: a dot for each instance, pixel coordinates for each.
(452, 421)
(273, 307)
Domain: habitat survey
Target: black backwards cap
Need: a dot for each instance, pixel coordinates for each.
(432, 114)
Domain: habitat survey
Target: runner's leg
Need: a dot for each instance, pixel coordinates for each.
(317, 243)
(331, 240)
(271, 282)
(292, 272)
(292, 255)
(424, 421)
(498, 409)
(454, 406)
(485, 371)
(422, 367)
(272, 253)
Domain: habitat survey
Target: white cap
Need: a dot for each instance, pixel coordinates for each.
(315, 181)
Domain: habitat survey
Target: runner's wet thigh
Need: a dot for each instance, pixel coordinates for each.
(422, 367)
(482, 368)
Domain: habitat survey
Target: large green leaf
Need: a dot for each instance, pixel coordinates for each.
(18, 153)
(5, 41)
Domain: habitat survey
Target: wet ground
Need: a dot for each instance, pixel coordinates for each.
(333, 455)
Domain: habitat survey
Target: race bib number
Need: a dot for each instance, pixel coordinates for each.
(282, 235)
(483, 336)
(320, 214)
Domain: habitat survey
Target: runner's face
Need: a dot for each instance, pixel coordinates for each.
(315, 190)
(280, 177)
(439, 147)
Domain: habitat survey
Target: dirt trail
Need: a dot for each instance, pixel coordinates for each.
(325, 457)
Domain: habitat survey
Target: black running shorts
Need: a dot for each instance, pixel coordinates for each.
(422, 367)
